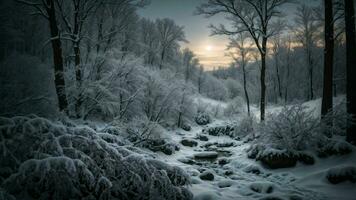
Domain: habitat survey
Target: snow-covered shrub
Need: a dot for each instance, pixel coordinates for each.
(246, 127)
(341, 174)
(202, 118)
(46, 160)
(211, 107)
(140, 129)
(254, 150)
(328, 147)
(111, 88)
(336, 121)
(214, 88)
(227, 130)
(294, 128)
(275, 158)
(186, 127)
(147, 134)
(234, 88)
(235, 106)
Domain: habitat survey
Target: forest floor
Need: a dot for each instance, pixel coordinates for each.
(234, 176)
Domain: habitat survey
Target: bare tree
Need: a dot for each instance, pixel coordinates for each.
(252, 16)
(74, 15)
(327, 101)
(243, 47)
(306, 33)
(188, 59)
(350, 67)
(201, 78)
(276, 50)
(287, 65)
(149, 41)
(169, 34)
(47, 9)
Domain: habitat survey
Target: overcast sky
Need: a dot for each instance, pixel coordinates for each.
(209, 49)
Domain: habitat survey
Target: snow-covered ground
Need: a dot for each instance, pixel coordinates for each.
(243, 178)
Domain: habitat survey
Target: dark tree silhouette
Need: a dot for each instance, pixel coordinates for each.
(47, 10)
(350, 67)
(327, 101)
(252, 16)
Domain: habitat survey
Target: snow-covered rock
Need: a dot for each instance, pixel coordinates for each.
(206, 155)
(275, 159)
(189, 142)
(207, 175)
(341, 174)
(262, 187)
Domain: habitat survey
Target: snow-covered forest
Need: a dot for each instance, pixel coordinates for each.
(102, 99)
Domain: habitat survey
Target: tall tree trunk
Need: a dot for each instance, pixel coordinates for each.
(263, 88)
(311, 95)
(327, 101)
(350, 68)
(162, 59)
(263, 77)
(180, 113)
(287, 77)
(57, 57)
(278, 78)
(76, 49)
(245, 89)
(310, 66)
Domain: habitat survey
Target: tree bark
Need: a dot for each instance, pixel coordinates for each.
(76, 49)
(310, 66)
(57, 57)
(287, 78)
(350, 69)
(162, 58)
(263, 77)
(245, 90)
(327, 101)
(278, 78)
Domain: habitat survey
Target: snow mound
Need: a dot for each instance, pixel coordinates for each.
(46, 160)
(341, 174)
(262, 187)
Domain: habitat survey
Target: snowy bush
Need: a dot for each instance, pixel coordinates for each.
(227, 130)
(46, 160)
(328, 147)
(235, 106)
(277, 158)
(214, 88)
(336, 121)
(202, 118)
(246, 127)
(293, 128)
(110, 89)
(234, 88)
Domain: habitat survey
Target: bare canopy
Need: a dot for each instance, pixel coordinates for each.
(253, 16)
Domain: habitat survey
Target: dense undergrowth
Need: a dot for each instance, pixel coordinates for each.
(41, 159)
